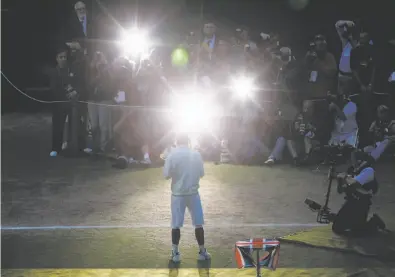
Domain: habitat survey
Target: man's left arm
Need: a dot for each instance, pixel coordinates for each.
(391, 131)
(201, 165)
(339, 113)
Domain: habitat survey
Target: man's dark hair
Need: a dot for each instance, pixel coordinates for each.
(182, 139)
(61, 49)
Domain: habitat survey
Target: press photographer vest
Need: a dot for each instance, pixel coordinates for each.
(372, 186)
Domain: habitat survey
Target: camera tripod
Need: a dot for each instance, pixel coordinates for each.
(324, 214)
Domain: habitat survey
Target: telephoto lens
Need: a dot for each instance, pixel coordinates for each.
(312, 204)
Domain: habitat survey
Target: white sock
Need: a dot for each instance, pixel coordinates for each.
(146, 156)
(174, 248)
(202, 249)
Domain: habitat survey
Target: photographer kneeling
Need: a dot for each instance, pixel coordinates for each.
(359, 185)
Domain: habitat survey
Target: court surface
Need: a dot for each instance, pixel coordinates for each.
(84, 218)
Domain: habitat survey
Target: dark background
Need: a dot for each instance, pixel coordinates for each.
(29, 27)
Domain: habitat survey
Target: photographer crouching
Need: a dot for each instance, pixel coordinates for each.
(359, 185)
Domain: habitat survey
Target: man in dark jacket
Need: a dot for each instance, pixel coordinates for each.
(66, 85)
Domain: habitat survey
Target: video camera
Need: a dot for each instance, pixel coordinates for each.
(349, 31)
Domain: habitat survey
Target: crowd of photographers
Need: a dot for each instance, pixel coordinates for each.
(298, 105)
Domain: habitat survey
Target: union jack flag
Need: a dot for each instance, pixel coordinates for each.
(244, 251)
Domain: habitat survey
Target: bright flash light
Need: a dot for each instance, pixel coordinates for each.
(243, 87)
(193, 113)
(135, 42)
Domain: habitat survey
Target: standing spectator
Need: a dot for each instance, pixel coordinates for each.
(130, 130)
(345, 30)
(321, 66)
(363, 69)
(102, 93)
(362, 63)
(222, 62)
(242, 34)
(65, 83)
(209, 40)
(79, 27)
(185, 167)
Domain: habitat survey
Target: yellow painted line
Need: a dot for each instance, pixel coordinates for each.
(283, 272)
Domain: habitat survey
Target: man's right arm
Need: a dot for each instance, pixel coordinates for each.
(54, 84)
(167, 168)
(364, 177)
(372, 127)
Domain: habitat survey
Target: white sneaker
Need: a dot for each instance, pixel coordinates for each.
(146, 161)
(88, 150)
(225, 158)
(204, 256)
(270, 161)
(133, 161)
(64, 145)
(175, 257)
(53, 154)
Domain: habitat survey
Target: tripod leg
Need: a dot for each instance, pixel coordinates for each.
(258, 265)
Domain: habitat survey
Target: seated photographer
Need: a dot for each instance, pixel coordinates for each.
(301, 134)
(344, 113)
(359, 185)
(382, 132)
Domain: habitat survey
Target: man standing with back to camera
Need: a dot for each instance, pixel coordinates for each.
(184, 167)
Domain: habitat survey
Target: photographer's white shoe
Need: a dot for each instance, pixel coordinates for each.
(270, 161)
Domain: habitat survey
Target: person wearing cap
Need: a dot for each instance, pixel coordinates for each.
(321, 68)
(382, 133)
(184, 166)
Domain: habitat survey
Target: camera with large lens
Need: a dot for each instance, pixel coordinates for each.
(348, 31)
(312, 46)
(69, 88)
(311, 54)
